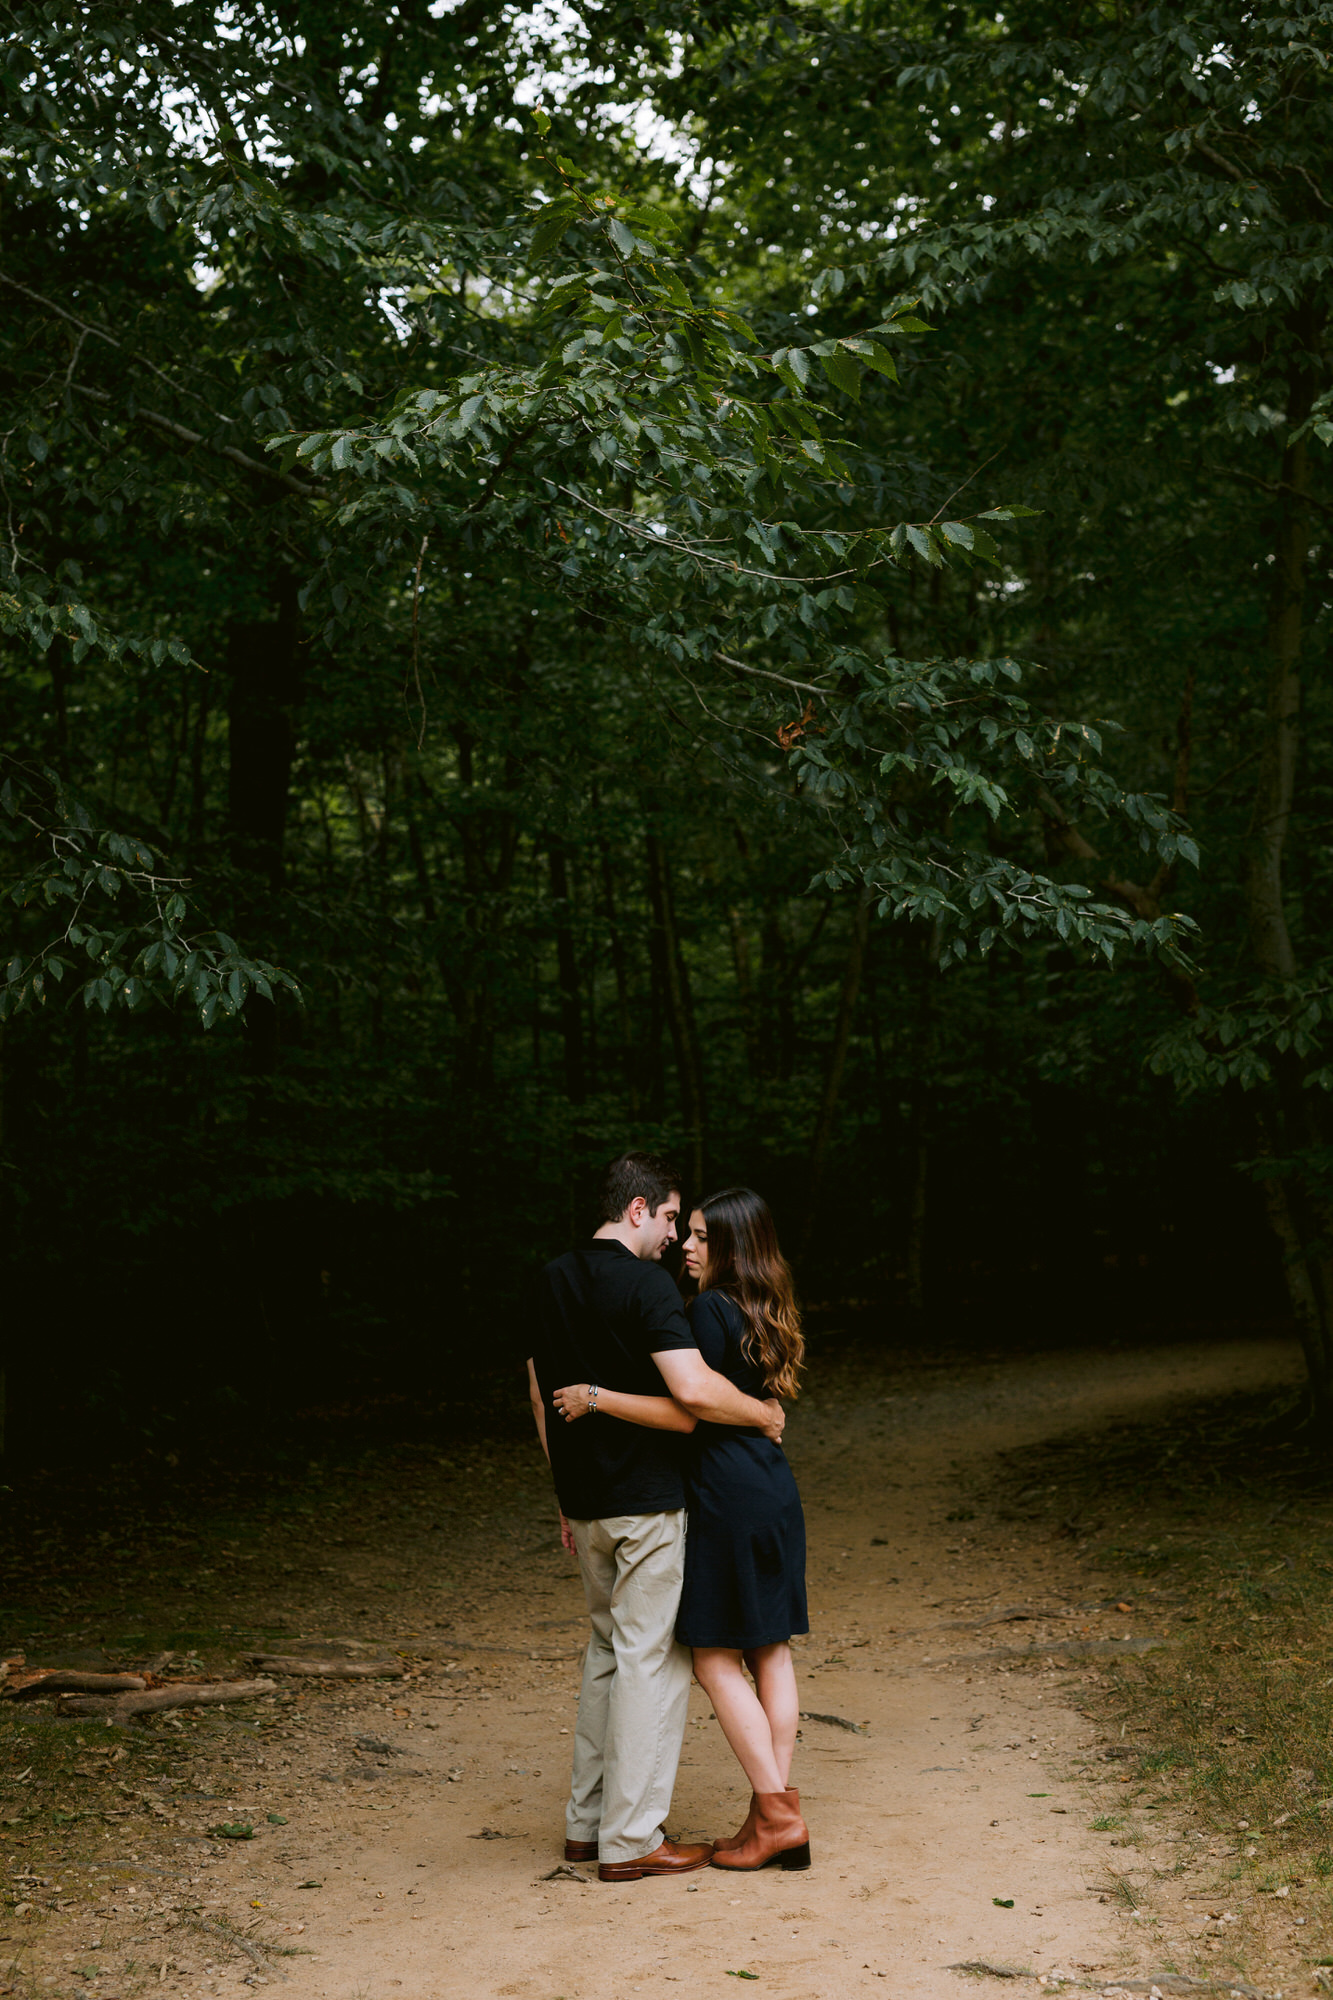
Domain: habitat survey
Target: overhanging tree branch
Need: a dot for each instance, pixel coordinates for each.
(307, 489)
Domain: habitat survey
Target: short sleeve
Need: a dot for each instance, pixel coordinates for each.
(708, 1319)
(665, 1327)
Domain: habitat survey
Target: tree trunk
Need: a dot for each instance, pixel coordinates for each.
(264, 664)
(1297, 1212)
(1306, 1284)
(567, 972)
(675, 998)
(620, 970)
(842, 1035)
(918, 1137)
(740, 959)
(263, 661)
(195, 828)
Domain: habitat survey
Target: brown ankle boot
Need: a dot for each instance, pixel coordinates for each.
(746, 1829)
(779, 1834)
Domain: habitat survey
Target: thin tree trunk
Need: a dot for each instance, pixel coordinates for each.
(620, 971)
(264, 665)
(1297, 1213)
(416, 848)
(842, 1035)
(914, 1250)
(654, 1070)
(194, 832)
(1275, 791)
(1306, 1288)
(6, 1214)
(567, 970)
(918, 1136)
(677, 1005)
(740, 959)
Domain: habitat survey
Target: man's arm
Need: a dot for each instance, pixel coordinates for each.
(538, 1408)
(706, 1394)
(539, 1418)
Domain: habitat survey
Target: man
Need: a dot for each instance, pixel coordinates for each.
(609, 1314)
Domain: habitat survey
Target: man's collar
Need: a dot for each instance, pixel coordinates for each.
(613, 1243)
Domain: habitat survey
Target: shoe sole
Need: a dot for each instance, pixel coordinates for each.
(640, 1874)
(790, 1859)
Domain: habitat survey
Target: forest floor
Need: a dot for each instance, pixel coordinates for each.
(997, 1768)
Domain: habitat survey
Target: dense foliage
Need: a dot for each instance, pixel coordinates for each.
(688, 577)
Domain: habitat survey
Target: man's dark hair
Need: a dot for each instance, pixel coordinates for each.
(635, 1174)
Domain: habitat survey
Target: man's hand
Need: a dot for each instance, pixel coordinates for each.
(776, 1422)
(567, 1536)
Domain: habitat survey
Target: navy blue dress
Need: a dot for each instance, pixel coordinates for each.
(745, 1547)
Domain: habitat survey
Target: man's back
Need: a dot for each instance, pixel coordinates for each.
(601, 1314)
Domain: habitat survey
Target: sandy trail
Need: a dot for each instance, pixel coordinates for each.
(961, 1790)
(951, 1826)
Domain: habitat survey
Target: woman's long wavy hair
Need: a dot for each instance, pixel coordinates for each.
(744, 1261)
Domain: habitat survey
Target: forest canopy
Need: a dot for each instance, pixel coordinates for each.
(749, 583)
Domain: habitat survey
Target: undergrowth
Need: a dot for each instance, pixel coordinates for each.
(1223, 1511)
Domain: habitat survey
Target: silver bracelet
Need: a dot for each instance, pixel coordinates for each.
(592, 1399)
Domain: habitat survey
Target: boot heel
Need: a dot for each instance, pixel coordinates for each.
(796, 1857)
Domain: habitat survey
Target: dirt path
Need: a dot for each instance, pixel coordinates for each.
(950, 1825)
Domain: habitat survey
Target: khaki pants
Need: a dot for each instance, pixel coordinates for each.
(636, 1683)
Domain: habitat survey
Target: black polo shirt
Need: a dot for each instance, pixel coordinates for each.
(599, 1315)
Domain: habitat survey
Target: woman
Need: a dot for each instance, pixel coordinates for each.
(744, 1589)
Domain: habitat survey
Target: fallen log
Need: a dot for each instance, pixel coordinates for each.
(65, 1680)
(289, 1663)
(177, 1694)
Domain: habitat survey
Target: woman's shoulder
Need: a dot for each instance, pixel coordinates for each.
(721, 1310)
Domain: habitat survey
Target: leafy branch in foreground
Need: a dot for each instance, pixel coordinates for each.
(88, 874)
(669, 455)
(964, 753)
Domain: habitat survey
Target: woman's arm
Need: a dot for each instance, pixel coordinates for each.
(657, 1413)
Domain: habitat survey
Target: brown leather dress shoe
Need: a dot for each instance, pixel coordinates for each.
(580, 1850)
(668, 1859)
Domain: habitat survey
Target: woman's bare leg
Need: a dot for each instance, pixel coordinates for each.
(738, 1708)
(775, 1685)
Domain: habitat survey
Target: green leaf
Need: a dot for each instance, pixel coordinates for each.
(843, 372)
(874, 356)
(646, 215)
(793, 364)
(552, 224)
(958, 532)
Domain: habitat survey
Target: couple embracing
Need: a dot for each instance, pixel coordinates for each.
(663, 1430)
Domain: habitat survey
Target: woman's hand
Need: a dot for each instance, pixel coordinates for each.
(576, 1401)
